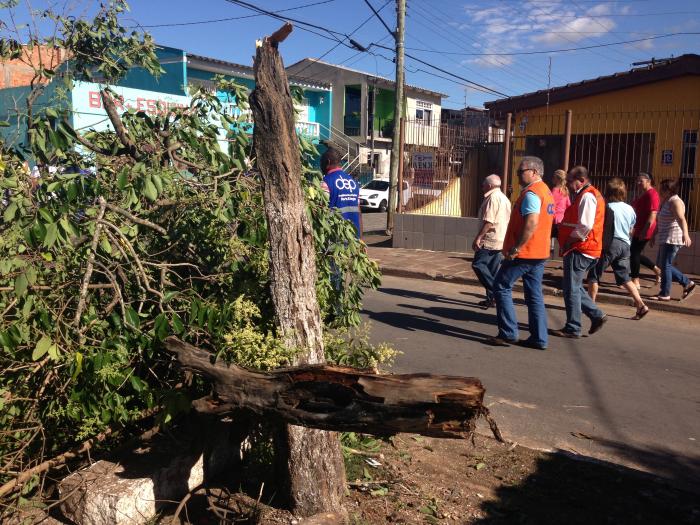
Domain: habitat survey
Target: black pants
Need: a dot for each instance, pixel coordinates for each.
(637, 259)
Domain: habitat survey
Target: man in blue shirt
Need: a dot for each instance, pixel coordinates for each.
(343, 190)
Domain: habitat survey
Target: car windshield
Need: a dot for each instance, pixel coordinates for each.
(379, 185)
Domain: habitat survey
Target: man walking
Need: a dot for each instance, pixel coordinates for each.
(494, 214)
(526, 249)
(581, 241)
(343, 191)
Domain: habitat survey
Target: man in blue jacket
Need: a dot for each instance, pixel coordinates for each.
(343, 190)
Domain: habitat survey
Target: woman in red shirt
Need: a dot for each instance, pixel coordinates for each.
(646, 206)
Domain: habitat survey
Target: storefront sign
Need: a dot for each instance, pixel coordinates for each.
(89, 112)
(423, 169)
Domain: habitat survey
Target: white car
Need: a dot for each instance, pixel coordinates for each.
(375, 194)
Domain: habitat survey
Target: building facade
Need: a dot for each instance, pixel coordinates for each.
(363, 112)
(141, 91)
(643, 120)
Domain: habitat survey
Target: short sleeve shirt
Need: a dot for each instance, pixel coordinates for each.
(344, 195)
(643, 206)
(624, 220)
(531, 203)
(496, 210)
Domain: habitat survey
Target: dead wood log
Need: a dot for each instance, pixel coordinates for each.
(313, 463)
(342, 399)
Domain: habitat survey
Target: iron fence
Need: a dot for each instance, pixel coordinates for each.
(441, 167)
(617, 143)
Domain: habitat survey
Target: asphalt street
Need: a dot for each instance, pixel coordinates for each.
(630, 394)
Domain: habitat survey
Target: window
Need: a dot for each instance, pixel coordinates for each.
(378, 185)
(689, 153)
(424, 116)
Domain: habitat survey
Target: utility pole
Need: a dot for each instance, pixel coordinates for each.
(398, 113)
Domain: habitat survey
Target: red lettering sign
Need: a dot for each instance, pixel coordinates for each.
(94, 99)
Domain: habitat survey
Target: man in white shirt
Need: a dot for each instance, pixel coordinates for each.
(581, 241)
(494, 214)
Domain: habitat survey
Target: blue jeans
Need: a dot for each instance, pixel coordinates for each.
(576, 299)
(669, 273)
(531, 272)
(485, 266)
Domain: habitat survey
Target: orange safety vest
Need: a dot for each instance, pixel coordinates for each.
(592, 245)
(537, 247)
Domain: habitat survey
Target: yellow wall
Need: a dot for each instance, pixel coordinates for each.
(664, 108)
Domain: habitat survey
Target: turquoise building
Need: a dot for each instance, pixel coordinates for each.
(142, 91)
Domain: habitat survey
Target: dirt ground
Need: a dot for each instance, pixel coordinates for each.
(414, 480)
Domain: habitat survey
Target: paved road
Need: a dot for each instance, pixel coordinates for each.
(630, 394)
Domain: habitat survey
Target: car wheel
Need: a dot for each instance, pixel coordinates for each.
(382, 206)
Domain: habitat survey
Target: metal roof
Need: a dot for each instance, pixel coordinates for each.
(370, 75)
(231, 68)
(655, 71)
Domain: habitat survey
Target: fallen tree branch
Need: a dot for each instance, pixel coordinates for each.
(137, 220)
(342, 399)
(90, 263)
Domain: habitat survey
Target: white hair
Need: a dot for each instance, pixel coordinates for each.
(493, 180)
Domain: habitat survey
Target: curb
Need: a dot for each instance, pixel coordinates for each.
(606, 298)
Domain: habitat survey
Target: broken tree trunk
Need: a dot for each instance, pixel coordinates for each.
(314, 463)
(338, 398)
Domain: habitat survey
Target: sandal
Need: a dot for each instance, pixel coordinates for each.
(641, 312)
(688, 290)
(660, 298)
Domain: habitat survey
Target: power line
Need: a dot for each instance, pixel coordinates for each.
(380, 18)
(461, 40)
(339, 43)
(300, 23)
(470, 82)
(565, 50)
(215, 20)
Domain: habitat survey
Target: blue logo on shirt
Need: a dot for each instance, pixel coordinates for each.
(550, 209)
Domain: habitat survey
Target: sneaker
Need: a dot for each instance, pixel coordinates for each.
(564, 333)
(529, 343)
(487, 303)
(597, 324)
(500, 341)
(688, 290)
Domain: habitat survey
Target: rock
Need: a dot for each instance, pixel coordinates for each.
(130, 490)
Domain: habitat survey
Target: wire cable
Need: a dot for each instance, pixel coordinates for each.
(392, 33)
(216, 20)
(565, 50)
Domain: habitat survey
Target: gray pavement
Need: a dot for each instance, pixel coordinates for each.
(630, 394)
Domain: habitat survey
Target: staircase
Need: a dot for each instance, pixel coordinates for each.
(348, 147)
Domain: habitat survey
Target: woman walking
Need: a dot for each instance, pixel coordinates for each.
(617, 254)
(646, 207)
(672, 235)
(560, 194)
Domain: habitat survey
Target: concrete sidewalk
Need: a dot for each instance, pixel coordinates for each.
(456, 267)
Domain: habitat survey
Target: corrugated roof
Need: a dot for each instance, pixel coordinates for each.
(371, 75)
(240, 69)
(688, 64)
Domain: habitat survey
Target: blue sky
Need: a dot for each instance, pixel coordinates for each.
(449, 34)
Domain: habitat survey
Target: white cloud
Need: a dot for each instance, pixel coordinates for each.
(534, 25)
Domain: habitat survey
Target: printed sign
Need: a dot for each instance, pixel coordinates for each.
(667, 157)
(90, 113)
(423, 169)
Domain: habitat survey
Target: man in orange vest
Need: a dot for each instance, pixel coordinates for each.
(581, 243)
(526, 249)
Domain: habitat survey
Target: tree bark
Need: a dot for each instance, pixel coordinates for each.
(314, 463)
(339, 398)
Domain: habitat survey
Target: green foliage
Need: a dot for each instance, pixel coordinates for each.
(131, 241)
(351, 347)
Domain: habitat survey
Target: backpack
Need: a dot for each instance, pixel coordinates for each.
(608, 227)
